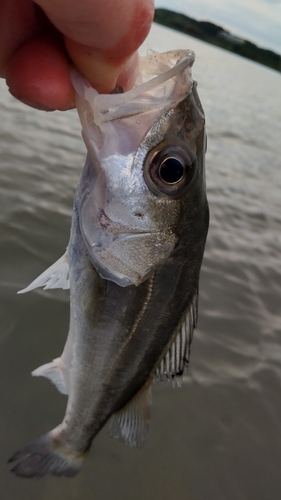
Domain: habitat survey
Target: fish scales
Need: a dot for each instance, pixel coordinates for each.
(139, 226)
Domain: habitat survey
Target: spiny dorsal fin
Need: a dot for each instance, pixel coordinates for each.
(54, 372)
(131, 422)
(177, 357)
(56, 276)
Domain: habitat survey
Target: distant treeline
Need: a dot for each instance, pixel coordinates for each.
(211, 33)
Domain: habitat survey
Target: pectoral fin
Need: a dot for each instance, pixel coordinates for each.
(177, 357)
(131, 422)
(56, 276)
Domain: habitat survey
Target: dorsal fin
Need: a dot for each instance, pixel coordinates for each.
(56, 276)
(177, 357)
(131, 422)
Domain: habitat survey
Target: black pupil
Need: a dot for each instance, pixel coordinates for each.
(171, 171)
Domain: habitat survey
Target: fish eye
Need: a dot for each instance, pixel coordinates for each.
(171, 170)
(168, 171)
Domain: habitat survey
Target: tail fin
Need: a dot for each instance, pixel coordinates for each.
(46, 456)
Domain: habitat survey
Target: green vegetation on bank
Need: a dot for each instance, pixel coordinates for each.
(211, 33)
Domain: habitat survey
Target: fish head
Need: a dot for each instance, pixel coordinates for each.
(144, 176)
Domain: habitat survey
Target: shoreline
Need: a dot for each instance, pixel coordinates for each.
(218, 36)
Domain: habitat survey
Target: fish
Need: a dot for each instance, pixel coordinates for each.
(138, 233)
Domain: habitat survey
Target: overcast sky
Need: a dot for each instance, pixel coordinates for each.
(256, 20)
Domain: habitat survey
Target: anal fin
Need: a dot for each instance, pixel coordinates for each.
(131, 422)
(56, 276)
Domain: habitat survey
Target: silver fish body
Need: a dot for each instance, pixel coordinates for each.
(138, 234)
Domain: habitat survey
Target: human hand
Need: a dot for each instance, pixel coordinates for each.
(40, 40)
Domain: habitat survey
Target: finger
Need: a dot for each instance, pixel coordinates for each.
(39, 75)
(38, 72)
(101, 36)
(18, 23)
(98, 23)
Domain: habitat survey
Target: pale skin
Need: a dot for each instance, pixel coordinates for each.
(39, 41)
